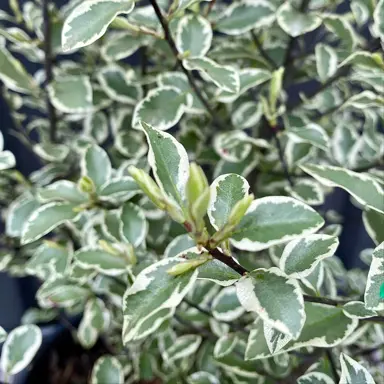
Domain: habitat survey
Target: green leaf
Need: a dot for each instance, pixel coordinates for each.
(315, 378)
(365, 60)
(71, 94)
(308, 191)
(193, 35)
(378, 18)
(107, 369)
(226, 191)
(7, 160)
(46, 218)
(326, 61)
(275, 298)
(89, 21)
(245, 15)
(374, 224)
(162, 108)
(362, 187)
(296, 23)
(3, 334)
(134, 227)
(247, 115)
(202, 377)
(352, 372)
(14, 75)
(357, 310)
(62, 190)
(101, 261)
(120, 188)
(178, 245)
(373, 296)
(226, 305)
(96, 165)
(51, 152)
(153, 298)
(121, 45)
(96, 126)
(342, 28)
(225, 345)
(96, 319)
(363, 100)
(169, 162)
(118, 85)
(183, 4)
(18, 213)
(311, 133)
(223, 76)
(274, 220)
(301, 256)
(20, 348)
(184, 346)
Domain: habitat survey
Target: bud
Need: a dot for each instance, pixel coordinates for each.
(86, 185)
(186, 266)
(239, 210)
(275, 87)
(148, 185)
(197, 183)
(199, 209)
(174, 211)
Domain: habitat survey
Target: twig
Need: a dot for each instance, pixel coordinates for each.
(144, 67)
(210, 7)
(260, 48)
(332, 363)
(171, 42)
(227, 260)
(48, 70)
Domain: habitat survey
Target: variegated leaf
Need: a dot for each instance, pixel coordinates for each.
(134, 227)
(62, 190)
(326, 61)
(352, 372)
(374, 224)
(226, 305)
(315, 378)
(357, 310)
(308, 191)
(107, 369)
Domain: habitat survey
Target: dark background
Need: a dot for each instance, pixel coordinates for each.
(16, 295)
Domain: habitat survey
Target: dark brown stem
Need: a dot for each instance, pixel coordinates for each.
(48, 70)
(374, 319)
(332, 363)
(210, 7)
(323, 300)
(227, 260)
(171, 42)
(144, 68)
(260, 48)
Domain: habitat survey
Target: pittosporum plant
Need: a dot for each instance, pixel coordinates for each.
(185, 162)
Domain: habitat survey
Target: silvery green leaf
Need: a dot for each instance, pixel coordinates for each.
(340, 26)
(131, 143)
(107, 369)
(378, 18)
(20, 348)
(245, 15)
(169, 162)
(301, 256)
(51, 152)
(179, 80)
(202, 377)
(344, 137)
(18, 213)
(357, 310)
(101, 261)
(121, 45)
(193, 35)
(296, 23)
(178, 245)
(326, 61)
(311, 133)
(275, 298)
(365, 60)
(49, 261)
(96, 165)
(373, 296)
(96, 126)
(362, 187)
(62, 190)
(274, 220)
(153, 298)
(71, 94)
(226, 305)
(46, 218)
(184, 346)
(96, 319)
(162, 108)
(247, 115)
(134, 226)
(223, 76)
(275, 340)
(363, 100)
(118, 85)
(14, 75)
(243, 168)
(183, 4)
(225, 345)
(315, 378)
(352, 372)
(226, 191)
(121, 188)
(3, 334)
(7, 160)
(89, 20)
(308, 191)
(314, 280)
(61, 293)
(374, 224)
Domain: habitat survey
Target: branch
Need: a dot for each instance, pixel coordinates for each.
(260, 48)
(171, 42)
(332, 363)
(144, 67)
(48, 70)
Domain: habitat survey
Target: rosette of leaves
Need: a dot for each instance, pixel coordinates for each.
(179, 206)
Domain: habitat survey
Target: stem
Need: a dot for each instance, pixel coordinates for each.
(260, 48)
(48, 70)
(227, 260)
(332, 363)
(144, 68)
(171, 42)
(209, 8)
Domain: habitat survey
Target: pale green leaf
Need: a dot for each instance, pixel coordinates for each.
(121, 45)
(107, 369)
(308, 191)
(121, 188)
(7, 160)
(352, 372)
(357, 310)
(365, 60)
(62, 190)
(226, 305)
(184, 346)
(51, 152)
(374, 224)
(315, 378)
(312, 134)
(225, 345)
(178, 245)
(378, 17)
(326, 61)
(134, 227)
(202, 377)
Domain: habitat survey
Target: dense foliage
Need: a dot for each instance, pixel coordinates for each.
(179, 206)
